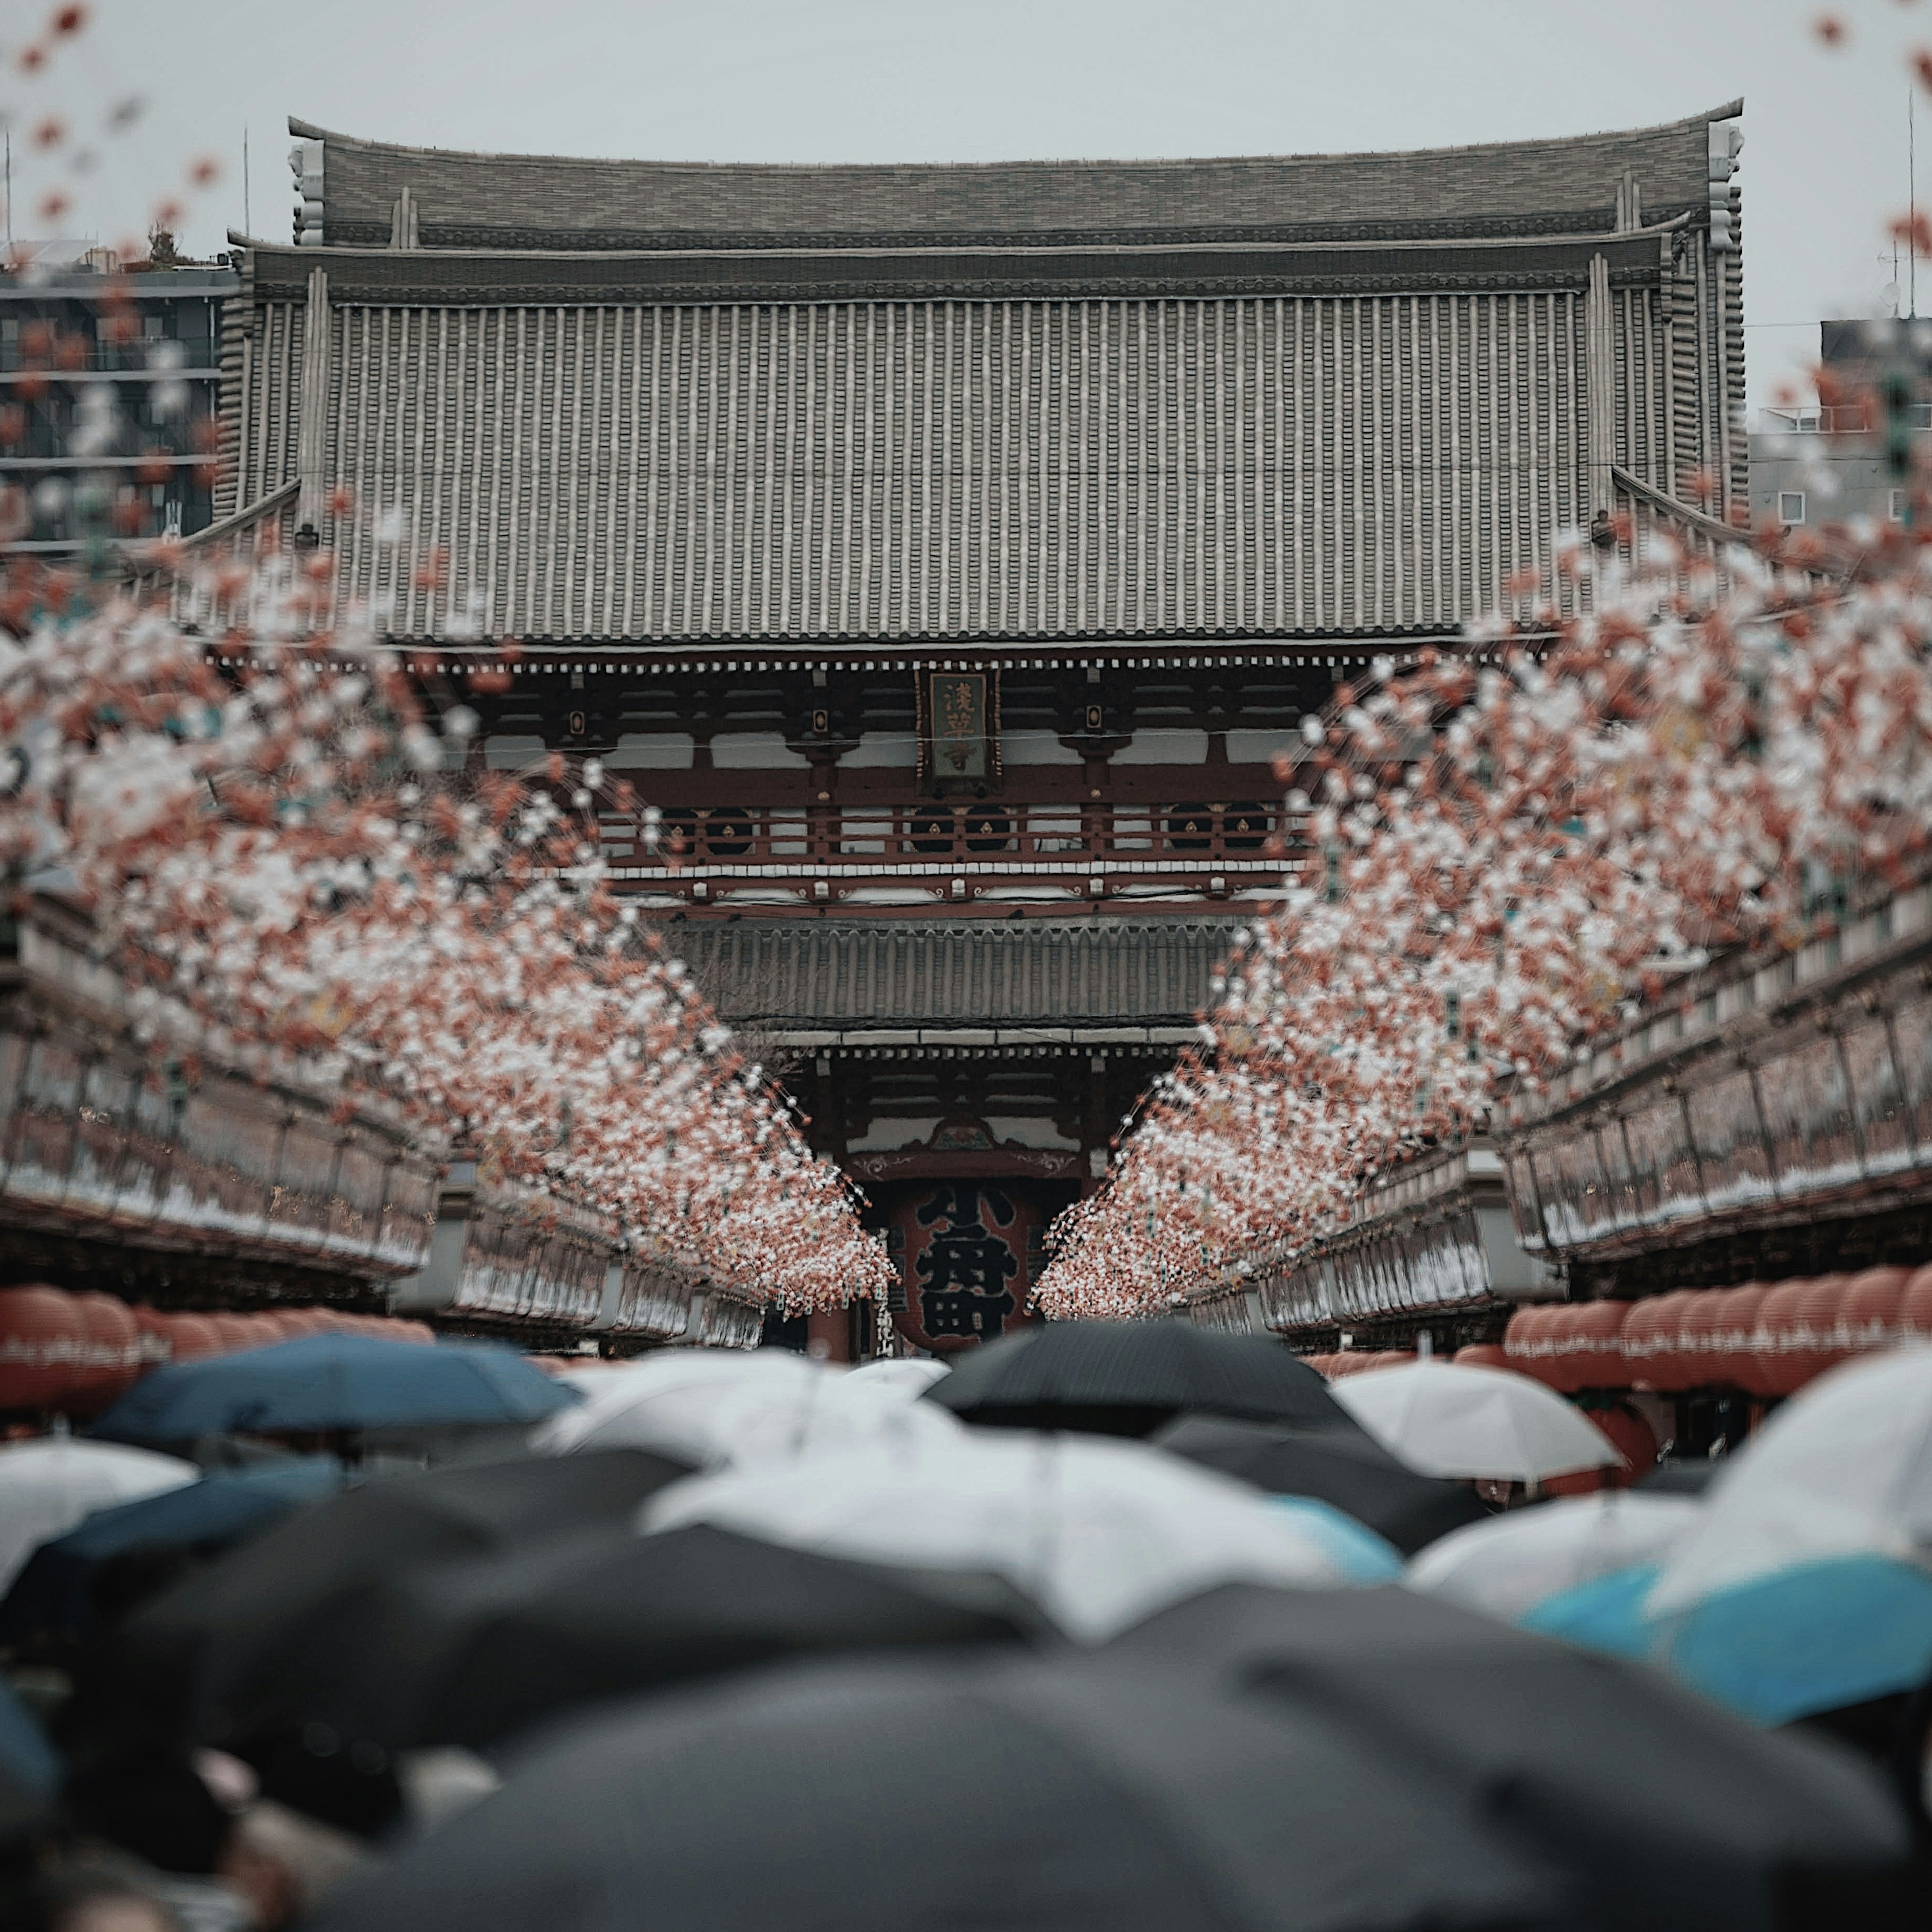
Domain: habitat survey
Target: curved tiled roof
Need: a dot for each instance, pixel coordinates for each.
(523, 201)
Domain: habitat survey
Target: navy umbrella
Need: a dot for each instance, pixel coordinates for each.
(329, 1382)
(128, 1551)
(1129, 1377)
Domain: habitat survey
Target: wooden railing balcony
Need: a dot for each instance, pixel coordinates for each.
(955, 849)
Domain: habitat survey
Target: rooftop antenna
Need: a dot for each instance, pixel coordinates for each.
(247, 223)
(1912, 174)
(10, 192)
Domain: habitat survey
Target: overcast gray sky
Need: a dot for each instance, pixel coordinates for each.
(1825, 165)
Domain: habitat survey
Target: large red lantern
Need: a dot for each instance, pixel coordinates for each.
(963, 1265)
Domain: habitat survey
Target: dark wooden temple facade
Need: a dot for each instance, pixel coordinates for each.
(947, 556)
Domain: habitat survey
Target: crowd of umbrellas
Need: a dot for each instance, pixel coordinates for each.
(1113, 1627)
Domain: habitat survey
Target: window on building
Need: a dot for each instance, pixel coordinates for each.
(1897, 512)
(1790, 506)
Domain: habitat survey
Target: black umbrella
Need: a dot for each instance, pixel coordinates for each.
(212, 1650)
(1664, 1811)
(1128, 1378)
(1063, 1795)
(1354, 1473)
(466, 1652)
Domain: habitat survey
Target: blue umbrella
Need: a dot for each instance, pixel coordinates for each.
(325, 1382)
(1818, 1637)
(51, 1596)
(1605, 1614)
(1358, 1552)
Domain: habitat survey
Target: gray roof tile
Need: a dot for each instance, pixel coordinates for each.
(538, 200)
(851, 973)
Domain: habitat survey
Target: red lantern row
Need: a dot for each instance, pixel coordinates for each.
(1765, 1340)
(77, 1353)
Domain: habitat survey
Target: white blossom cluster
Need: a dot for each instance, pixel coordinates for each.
(1508, 847)
(263, 828)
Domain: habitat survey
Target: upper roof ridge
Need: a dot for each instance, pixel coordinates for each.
(310, 130)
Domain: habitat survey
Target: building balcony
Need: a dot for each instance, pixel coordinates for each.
(944, 851)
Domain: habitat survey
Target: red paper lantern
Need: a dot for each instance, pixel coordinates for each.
(1599, 1331)
(156, 1332)
(1733, 1317)
(42, 1340)
(1482, 1355)
(111, 1352)
(194, 1337)
(1868, 1313)
(1914, 1307)
(1529, 1341)
(1778, 1367)
(1517, 1336)
(1699, 1330)
(1819, 1314)
(1552, 1359)
(1650, 1342)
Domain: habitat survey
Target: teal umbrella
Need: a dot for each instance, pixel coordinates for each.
(329, 1382)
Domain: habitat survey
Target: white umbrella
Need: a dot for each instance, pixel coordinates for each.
(49, 1485)
(715, 1410)
(621, 1400)
(912, 1375)
(1513, 1562)
(1100, 1533)
(1447, 1419)
(1844, 1469)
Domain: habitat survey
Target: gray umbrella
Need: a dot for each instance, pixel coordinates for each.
(1667, 1812)
(1076, 1796)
